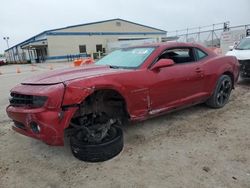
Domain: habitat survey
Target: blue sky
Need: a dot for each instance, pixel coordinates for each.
(20, 20)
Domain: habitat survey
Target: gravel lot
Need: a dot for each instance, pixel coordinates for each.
(195, 147)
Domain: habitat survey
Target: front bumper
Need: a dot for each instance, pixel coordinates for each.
(51, 123)
(244, 68)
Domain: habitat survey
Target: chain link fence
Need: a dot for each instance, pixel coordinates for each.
(220, 35)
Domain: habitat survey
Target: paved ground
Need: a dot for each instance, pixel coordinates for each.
(196, 147)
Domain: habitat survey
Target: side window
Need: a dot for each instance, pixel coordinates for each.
(200, 54)
(179, 55)
(99, 48)
(82, 48)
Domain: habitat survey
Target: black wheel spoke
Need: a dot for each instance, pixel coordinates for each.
(224, 92)
(221, 93)
(227, 85)
(221, 99)
(218, 95)
(225, 95)
(221, 88)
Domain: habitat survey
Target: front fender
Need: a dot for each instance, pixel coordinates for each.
(77, 91)
(136, 96)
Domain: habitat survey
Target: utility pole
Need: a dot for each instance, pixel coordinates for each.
(213, 36)
(187, 36)
(7, 42)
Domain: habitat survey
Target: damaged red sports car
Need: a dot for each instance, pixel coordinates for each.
(89, 103)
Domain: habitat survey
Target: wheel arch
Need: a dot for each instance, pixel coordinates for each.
(111, 91)
(76, 108)
(231, 75)
(108, 93)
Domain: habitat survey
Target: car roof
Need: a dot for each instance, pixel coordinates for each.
(170, 44)
(173, 44)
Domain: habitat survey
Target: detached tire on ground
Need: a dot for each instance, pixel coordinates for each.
(97, 152)
(221, 93)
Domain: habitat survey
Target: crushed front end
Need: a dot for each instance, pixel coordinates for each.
(245, 68)
(36, 112)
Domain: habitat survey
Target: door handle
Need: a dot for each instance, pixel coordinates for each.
(198, 70)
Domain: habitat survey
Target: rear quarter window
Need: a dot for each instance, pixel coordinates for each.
(200, 54)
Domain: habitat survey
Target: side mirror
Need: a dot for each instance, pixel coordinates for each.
(162, 63)
(231, 48)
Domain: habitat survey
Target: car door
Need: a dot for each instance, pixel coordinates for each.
(177, 85)
(201, 61)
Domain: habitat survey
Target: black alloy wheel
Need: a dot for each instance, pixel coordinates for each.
(221, 93)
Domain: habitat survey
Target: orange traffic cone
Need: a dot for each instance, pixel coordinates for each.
(18, 70)
(50, 67)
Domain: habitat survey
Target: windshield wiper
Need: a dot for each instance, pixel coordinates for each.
(114, 67)
(120, 67)
(239, 49)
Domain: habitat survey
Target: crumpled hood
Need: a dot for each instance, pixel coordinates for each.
(240, 54)
(60, 76)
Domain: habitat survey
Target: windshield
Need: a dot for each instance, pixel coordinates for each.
(244, 44)
(126, 58)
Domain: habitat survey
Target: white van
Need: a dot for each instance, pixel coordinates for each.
(242, 53)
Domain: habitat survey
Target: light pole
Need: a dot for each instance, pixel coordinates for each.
(7, 42)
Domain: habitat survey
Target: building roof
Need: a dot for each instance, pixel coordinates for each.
(116, 19)
(31, 39)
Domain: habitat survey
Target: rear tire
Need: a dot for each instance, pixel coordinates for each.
(221, 93)
(110, 146)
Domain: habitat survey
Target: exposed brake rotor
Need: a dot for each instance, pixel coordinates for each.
(93, 128)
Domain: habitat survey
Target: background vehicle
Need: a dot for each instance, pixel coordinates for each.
(242, 53)
(2, 60)
(133, 84)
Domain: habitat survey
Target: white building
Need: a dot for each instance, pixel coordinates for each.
(65, 43)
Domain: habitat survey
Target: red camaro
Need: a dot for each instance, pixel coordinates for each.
(90, 102)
